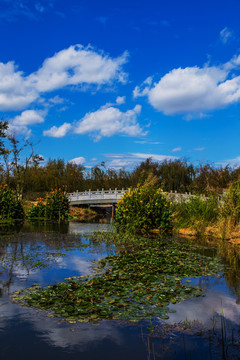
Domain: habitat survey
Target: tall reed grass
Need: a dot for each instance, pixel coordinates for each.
(196, 213)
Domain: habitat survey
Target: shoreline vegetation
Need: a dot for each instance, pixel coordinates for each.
(144, 210)
(211, 217)
(140, 212)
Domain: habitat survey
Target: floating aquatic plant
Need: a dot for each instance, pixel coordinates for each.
(131, 286)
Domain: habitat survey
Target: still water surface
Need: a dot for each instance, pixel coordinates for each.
(206, 327)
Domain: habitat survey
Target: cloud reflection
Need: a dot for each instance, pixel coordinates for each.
(203, 308)
(83, 335)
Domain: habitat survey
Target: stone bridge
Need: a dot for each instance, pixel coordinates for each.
(99, 197)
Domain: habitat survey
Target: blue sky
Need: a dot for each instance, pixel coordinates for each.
(93, 81)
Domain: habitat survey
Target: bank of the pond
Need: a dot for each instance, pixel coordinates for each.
(214, 232)
(136, 283)
(83, 214)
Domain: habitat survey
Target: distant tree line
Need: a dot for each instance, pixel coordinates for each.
(24, 170)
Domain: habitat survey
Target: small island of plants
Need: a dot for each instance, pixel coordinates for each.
(54, 207)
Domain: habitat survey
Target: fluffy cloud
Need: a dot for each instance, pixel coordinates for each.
(78, 161)
(120, 100)
(19, 124)
(28, 117)
(19, 130)
(15, 92)
(105, 122)
(76, 66)
(193, 89)
(58, 132)
(108, 121)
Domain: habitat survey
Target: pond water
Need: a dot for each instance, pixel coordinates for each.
(205, 327)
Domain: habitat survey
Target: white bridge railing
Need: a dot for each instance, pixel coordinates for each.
(110, 197)
(107, 195)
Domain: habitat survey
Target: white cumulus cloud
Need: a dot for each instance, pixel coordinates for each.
(58, 132)
(19, 124)
(19, 130)
(76, 66)
(15, 93)
(78, 160)
(108, 121)
(194, 89)
(28, 117)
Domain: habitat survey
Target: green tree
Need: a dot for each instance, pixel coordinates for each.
(3, 134)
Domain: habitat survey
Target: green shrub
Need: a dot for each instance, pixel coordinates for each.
(143, 209)
(37, 211)
(57, 205)
(197, 212)
(10, 205)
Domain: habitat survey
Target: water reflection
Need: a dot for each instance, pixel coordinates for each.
(77, 228)
(203, 309)
(82, 336)
(29, 255)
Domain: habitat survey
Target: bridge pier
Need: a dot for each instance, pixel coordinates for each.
(113, 211)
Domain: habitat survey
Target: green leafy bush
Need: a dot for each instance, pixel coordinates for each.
(57, 205)
(37, 211)
(10, 205)
(143, 209)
